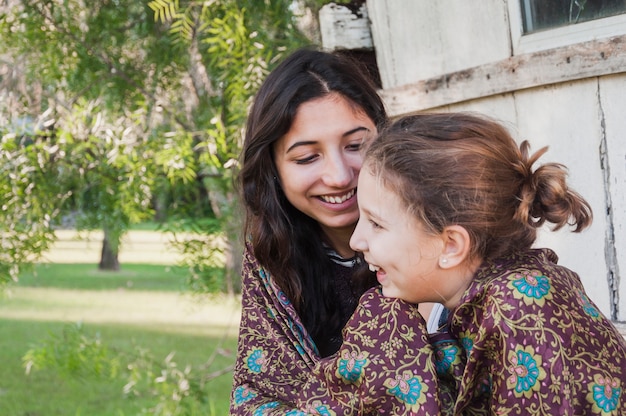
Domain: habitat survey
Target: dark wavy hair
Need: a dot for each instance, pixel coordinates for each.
(466, 169)
(285, 241)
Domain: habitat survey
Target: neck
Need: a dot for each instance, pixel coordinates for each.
(463, 274)
(339, 239)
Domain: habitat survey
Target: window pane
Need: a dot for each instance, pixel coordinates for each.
(547, 14)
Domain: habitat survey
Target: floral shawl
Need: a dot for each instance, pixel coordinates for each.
(275, 353)
(531, 342)
(385, 364)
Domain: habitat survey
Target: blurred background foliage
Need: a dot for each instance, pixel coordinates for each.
(113, 113)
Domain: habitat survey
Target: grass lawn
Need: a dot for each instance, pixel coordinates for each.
(141, 306)
(87, 276)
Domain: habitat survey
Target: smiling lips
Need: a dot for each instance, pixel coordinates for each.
(380, 273)
(338, 199)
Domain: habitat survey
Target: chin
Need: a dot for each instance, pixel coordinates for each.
(343, 223)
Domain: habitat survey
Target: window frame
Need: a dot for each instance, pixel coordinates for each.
(560, 36)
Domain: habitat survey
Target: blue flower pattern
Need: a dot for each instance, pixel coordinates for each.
(606, 396)
(407, 391)
(351, 367)
(255, 361)
(532, 285)
(260, 411)
(467, 344)
(588, 306)
(445, 357)
(295, 413)
(243, 394)
(527, 377)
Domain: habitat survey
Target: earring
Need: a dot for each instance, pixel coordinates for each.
(444, 261)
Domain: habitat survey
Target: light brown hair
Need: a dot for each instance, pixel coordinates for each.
(466, 169)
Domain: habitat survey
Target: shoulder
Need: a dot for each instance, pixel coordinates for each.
(255, 279)
(525, 292)
(251, 267)
(532, 277)
(519, 287)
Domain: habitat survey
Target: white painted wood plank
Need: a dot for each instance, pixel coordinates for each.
(420, 39)
(590, 59)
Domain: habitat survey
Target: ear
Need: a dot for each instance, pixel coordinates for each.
(456, 246)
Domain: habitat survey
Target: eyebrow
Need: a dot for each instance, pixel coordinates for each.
(310, 142)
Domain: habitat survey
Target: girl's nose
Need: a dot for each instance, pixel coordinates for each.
(338, 173)
(357, 243)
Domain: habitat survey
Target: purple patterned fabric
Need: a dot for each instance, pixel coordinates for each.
(532, 342)
(275, 353)
(385, 365)
(525, 339)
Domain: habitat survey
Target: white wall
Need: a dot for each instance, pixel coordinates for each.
(433, 37)
(583, 121)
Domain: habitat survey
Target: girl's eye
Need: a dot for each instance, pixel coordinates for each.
(305, 160)
(374, 224)
(355, 146)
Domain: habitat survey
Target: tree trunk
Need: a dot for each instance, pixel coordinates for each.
(225, 206)
(234, 256)
(108, 257)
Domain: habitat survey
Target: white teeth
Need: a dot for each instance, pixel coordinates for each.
(338, 199)
(373, 268)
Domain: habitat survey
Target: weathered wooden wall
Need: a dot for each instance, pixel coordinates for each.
(453, 55)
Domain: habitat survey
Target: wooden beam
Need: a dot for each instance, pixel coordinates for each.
(344, 28)
(569, 63)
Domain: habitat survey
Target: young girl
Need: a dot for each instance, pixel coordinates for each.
(449, 210)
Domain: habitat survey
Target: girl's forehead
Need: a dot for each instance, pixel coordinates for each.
(326, 119)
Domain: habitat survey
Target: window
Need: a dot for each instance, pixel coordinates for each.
(538, 25)
(548, 14)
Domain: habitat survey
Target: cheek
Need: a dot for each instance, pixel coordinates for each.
(356, 163)
(295, 179)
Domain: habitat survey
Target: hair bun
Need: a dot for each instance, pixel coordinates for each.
(529, 211)
(545, 196)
